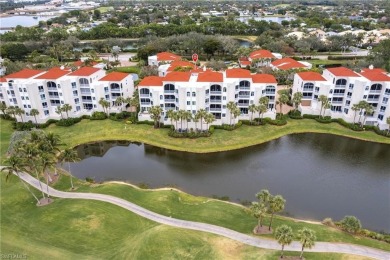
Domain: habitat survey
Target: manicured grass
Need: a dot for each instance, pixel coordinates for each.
(128, 69)
(5, 135)
(83, 229)
(174, 203)
(327, 62)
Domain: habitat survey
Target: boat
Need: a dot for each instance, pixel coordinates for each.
(35, 17)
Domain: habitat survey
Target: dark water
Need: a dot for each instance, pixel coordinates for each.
(319, 175)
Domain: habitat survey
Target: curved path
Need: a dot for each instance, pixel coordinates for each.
(240, 237)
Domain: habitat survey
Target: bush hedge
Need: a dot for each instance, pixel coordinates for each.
(228, 127)
(330, 57)
(68, 121)
(295, 114)
(98, 116)
(190, 134)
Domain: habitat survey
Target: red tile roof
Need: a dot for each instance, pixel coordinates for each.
(287, 64)
(177, 76)
(343, 72)
(3, 79)
(311, 76)
(210, 76)
(375, 76)
(238, 73)
(151, 81)
(167, 56)
(80, 63)
(84, 71)
(263, 78)
(180, 63)
(261, 54)
(24, 74)
(245, 62)
(114, 76)
(54, 73)
(374, 69)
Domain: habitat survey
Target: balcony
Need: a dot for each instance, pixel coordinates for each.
(86, 100)
(375, 91)
(84, 85)
(145, 103)
(144, 95)
(52, 88)
(338, 94)
(387, 93)
(373, 99)
(340, 86)
(270, 92)
(54, 96)
(215, 109)
(337, 102)
(218, 101)
(216, 92)
(115, 90)
(88, 92)
(169, 91)
(308, 89)
(170, 108)
(244, 96)
(243, 104)
(349, 96)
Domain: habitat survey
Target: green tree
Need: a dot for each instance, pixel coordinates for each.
(11, 111)
(307, 237)
(181, 114)
(210, 46)
(324, 102)
(34, 112)
(105, 105)
(261, 109)
(69, 155)
(231, 106)
(46, 161)
(170, 115)
(284, 235)
(96, 14)
(297, 99)
(276, 204)
(252, 109)
(20, 112)
(119, 102)
(236, 113)
(187, 116)
(258, 211)
(66, 108)
(3, 108)
(368, 110)
(59, 111)
(155, 114)
(351, 224)
(282, 100)
(355, 108)
(388, 123)
(362, 106)
(209, 118)
(201, 113)
(15, 165)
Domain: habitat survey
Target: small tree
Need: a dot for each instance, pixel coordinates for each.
(276, 204)
(11, 111)
(297, 99)
(66, 108)
(284, 235)
(59, 111)
(258, 211)
(201, 113)
(351, 224)
(231, 106)
(252, 109)
(388, 122)
(355, 108)
(236, 113)
(282, 100)
(307, 238)
(155, 114)
(3, 108)
(34, 112)
(20, 112)
(324, 100)
(210, 118)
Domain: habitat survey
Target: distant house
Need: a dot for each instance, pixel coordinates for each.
(161, 57)
(263, 57)
(289, 64)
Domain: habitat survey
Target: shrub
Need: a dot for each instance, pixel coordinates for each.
(68, 121)
(98, 116)
(310, 116)
(324, 120)
(90, 180)
(146, 122)
(228, 127)
(350, 224)
(277, 122)
(328, 222)
(189, 134)
(345, 57)
(295, 114)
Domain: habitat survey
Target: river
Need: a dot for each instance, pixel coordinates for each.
(22, 20)
(319, 175)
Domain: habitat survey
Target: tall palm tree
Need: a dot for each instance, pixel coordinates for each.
(69, 155)
(15, 165)
(170, 114)
(59, 111)
(66, 108)
(181, 114)
(155, 114)
(307, 238)
(264, 101)
(3, 108)
(20, 112)
(236, 113)
(231, 106)
(105, 105)
(258, 211)
(282, 100)
(297, 99)
(11, 111)
(284, 235)
(176, 118)
(119, 102)
(388, 122)
(276, 204)
(46, 161)
(355, 108)
(34, 112)
(369, 109)
(261, 109)
(196, 120)
(252, 109)
(201, 114)
(187, 117)
(209, 118)
(324, 101)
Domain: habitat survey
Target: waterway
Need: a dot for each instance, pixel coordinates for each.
(22, 20)
(319, 175)
(275, 19)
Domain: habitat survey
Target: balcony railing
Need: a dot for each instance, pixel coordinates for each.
(169, 91)
(243, 104)
(340, 86)
(172, 100)
(337, 102)
(87, 100)
(387, 93)
(170, 108)
(243, 96)
(215, 101)
(52, 88)
(85, 92)
(308, 89)
(372, 99)
(115, 89)
(375, 91)
(53, 96)
(144, 95)
(215, 109)
(216, 92)
(270, 92)
(339, 94)
(84, 85)
(145, 103)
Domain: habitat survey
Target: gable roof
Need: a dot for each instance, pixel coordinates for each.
(375, 76)
(177, 76)
(80, 63)
(238, 73)
(2, 79)
(114, 76)
(54, 73)
(151, 81)
(167, 56)
(342, 72)
(373, 69)
(24, 74)
(210, 76)
(311, 76)
(261, 54)
(263, 78)
(84, 71)
(180, 63)
(287, 64)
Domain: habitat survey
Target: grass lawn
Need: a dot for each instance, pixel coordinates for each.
(105, 9)
(82, 229)
(128, 69)
(327, 62)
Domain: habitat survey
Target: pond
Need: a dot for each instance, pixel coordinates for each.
(319, 175)
(22, 20)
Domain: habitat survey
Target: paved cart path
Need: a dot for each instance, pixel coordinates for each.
(240, 237)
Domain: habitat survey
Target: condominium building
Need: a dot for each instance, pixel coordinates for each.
(162, 57)
(46, 90)
(207, 90)
(344, 88)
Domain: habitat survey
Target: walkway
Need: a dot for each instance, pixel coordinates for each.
(243, 238)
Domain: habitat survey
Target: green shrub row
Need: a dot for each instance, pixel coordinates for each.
(229, 127)
(98, 116)
(330, 57)
(190, 134)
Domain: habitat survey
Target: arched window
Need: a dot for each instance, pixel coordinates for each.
(308, 87)
(215, 88)
(84, 81)
(341, 82)
(270, 89)
(169, 87)
(114, 86)
(144, 91)
(51, 84)
(224, 89)
(376, 87)
(245, 84)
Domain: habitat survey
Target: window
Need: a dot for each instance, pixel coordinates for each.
(223, 115)
(365, 96)
(169, 88)
(207, 91)
(93, 98)
(383, 109)
(347, 103)
(317, 89)
(46, 112)
(43, 97)
(107, 97)
(193, 94)
(29, 106)
(385, 100)
(224, 98)
(20, 90)
(60, 94)
(341, 83)
(188, 103)
(51, 84)
(92, 90)
(308, 87)
(224, 89)
(367, 87)
(215, 88)
(73, 84)
(78, 108)
(76, 100)
(193, 103)
(331, 91)
(380, 117)
(40, 88)
(252, 94)
(22, 97)
(24, 90)
(105, 89)
(349, 94)
(245, 84)
(315, 96)
(351, 86)
(62, 102)
(27, 98)
(25, 106)
(188, 94)
(83, 81)
(346, 110)
(75, 93)
(58, 86)
(376, 87)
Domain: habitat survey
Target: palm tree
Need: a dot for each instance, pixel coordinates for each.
(196, 120)
(69, 155)
(46, 161)
(307, 238)
(388, 122)
(201, 114)
(284, 235)
(369, 109)
(282, 100)
(34, 112)
(181, 114)
(355, 108)
(59, 111)
(176, 118)
(105, 105)
(258, 211)
(264, 101)
(20, 112)
(324, 101)
(170, 115)
(297, 99)
(119, 101)
(53, 141)
(15, 165)
(66, 108)
(276, 204)
(252, 109)
(231, 106)
(362, 106)
(155, 114)
(236, 113)
(11, 111)
(187, 116)
(209, 118)
(261, 109)
(3, 108)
